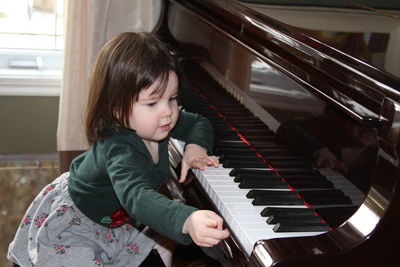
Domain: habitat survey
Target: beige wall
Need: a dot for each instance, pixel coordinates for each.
(28, 124)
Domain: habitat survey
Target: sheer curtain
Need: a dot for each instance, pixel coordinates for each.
(89, 24)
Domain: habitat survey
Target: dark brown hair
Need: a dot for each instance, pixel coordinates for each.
(126, 64)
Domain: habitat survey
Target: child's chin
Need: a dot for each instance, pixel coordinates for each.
(162, 136)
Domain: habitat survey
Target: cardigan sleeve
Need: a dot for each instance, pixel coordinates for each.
(194, 129)
(130, 172)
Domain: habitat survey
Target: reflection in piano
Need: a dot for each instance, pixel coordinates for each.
(307, 139)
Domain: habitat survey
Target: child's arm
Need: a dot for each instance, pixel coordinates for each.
(195, 157)
(205, 228)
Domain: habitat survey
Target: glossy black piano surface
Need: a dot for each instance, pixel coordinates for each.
(309, 133)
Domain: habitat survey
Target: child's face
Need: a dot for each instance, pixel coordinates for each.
(154, 116)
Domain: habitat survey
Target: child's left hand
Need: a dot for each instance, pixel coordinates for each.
(196, 157)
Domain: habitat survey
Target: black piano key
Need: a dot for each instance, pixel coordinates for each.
(260, 201)
(228, 138)
(248, 164)
(239, 155)
(297, 184)
(271, 184)
(252, 177)
(289, 164)
(224, 132)
(305, 177)
(253, 157)
(277, 151)
(328, 193)
(239, 120)
(237, 113)
(281, 157)
(269, 175)
(231, 145)
(256, 123)
(238, 116)
(217, 121)
(261, 138)
(238, 171)
(276, 201)
(295, 220)
(256, 132)
(283, 194)
(232, 138)
(294, 181)
(219, 125)
(321, 197)
(257, 178)
(260, 146)
(280, 228)
(328, 200)
(307, 184)
(252, 125)
(233, 151)
(308, 172)
(277, 211)
(275, 164)
(265, 147)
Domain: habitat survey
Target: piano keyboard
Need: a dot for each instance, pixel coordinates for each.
(262, 189)
(243, 218)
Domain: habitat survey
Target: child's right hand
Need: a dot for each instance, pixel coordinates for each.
(205, 228)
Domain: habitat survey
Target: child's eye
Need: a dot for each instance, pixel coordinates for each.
(151, 104)
(175, 98)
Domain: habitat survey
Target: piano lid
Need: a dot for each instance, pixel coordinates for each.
(335, 76)
(366, 30)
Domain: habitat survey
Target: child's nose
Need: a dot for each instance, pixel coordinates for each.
(167, 110)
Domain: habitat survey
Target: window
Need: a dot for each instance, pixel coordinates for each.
(31, 46)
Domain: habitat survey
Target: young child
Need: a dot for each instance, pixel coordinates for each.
(81, 219)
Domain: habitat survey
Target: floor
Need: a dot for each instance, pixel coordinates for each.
(23, 176)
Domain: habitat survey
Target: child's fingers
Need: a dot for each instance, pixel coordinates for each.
(197, 164)
(214, 228)
(200, 163)
(215, 234)
(220, 223)
(211, 223)
(184, 171)
(213, 161)
(218, 220)
(204, 245)
(215, 222)
(208, 242)
(211, 237)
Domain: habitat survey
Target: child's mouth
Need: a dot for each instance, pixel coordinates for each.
(165, 128)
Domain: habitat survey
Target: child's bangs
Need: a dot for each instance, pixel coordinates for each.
(161, 84)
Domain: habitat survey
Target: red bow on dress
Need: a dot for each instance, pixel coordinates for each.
(118, 218)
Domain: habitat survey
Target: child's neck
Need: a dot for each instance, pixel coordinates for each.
(152, 146)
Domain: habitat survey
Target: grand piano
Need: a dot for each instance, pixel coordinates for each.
(307, 126)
